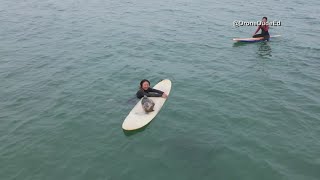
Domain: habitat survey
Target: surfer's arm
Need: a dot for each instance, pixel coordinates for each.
(156, 91)
(151, 93)
(259, 27)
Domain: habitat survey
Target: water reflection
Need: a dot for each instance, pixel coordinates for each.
(133, 132)
(264, 49)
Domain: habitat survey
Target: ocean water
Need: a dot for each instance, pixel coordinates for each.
(69, 71)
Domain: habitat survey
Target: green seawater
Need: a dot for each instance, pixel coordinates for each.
(69, 71)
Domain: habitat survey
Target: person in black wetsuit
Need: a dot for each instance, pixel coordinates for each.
(145, 89)
(264, 30)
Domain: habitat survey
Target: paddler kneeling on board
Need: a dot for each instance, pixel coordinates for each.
(146, 90)
(264, 30)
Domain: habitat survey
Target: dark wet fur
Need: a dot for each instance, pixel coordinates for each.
(147, 104)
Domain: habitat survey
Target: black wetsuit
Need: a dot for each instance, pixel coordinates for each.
(149, 92)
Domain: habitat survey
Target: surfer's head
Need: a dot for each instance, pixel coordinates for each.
(144, 84)
(264, 19)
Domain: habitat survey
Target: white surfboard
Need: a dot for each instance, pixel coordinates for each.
(253, 39)
(137, 117)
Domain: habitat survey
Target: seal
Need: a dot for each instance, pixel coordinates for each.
(147, 104)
